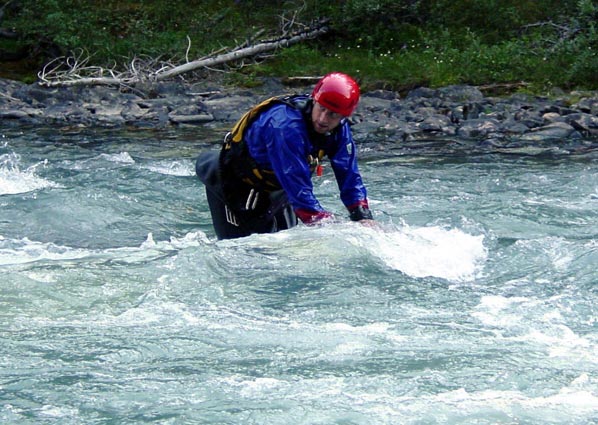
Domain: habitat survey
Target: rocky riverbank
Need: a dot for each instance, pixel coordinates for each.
(382, 117)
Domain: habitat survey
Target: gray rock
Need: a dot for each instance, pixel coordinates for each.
(423, 115)
(478, 128)
(186, 119)
(588, 105)
(132, 112)
(369, 104)
(586, 124)
(529, 118)
(511, 127)
(13, 114)
(436, 123)
(422, 92)
(460, 94)
(230, 108)
(549, 117)
(553, 131)
(381, 94)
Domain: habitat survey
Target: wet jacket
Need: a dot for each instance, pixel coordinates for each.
(282, 139)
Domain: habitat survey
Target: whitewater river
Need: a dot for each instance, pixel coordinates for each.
(475, 300)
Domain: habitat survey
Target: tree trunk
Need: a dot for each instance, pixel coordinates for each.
(240, 54)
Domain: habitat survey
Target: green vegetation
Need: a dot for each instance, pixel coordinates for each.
(384, 43)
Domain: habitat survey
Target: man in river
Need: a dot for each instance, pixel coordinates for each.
(260, 181)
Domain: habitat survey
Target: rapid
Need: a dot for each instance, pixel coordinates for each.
(473, 300)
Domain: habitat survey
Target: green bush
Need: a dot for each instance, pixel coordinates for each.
(392, 43)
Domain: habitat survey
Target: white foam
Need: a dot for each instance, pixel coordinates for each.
(121, 158)
(430, 252)
(566, 400)
(546, 330)
(22, 251)
(256, 387)
(373, 328)
(495, 310)
(56, 412)
(191, 239)
(449, 254)
(156, 312)
(13, 180)
(172, 168)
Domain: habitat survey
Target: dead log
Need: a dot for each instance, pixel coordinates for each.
(53, 74)
(243, 53)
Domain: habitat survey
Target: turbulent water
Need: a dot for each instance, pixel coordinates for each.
(474, 300)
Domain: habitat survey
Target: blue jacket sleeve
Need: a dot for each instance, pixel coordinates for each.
(344, 164)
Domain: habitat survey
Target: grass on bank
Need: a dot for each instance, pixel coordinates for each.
(437, 64)
(384, 43)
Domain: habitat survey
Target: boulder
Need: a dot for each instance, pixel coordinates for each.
(588, 105)
(422, 115)
(478, 128)
(553, 131)
(460, 94)
(586, 124)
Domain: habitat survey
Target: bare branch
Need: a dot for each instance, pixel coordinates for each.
(188, 48)
(6, 96)
(74, 70)
(287, 24)
(241, 53)
(562, 33)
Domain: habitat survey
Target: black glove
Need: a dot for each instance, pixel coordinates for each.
(360, 213)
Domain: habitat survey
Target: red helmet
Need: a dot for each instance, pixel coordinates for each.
(337, 92)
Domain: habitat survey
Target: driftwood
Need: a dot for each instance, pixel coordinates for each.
(241, 53)
(73, 71)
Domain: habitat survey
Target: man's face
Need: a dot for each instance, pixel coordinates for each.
(324, 120)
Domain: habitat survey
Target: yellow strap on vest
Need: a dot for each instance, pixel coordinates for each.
(248, 117)
(262, 176)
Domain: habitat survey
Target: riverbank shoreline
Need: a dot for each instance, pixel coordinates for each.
(382, 117)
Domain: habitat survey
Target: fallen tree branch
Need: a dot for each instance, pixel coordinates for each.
(240, 54)
(73, 71)
(6, 96)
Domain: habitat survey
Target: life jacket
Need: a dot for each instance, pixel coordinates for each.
(237, 163)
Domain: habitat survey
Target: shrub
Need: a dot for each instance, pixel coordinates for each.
(399, 42)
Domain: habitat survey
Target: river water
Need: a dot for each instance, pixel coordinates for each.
(474, 300)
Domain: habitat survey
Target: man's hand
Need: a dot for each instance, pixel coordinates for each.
(360, 213)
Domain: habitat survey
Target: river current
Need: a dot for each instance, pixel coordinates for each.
(473, 301)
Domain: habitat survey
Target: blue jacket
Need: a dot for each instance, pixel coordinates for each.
(279, 140)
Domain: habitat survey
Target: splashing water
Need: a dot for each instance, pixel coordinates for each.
(472, 300)
(13, 180)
